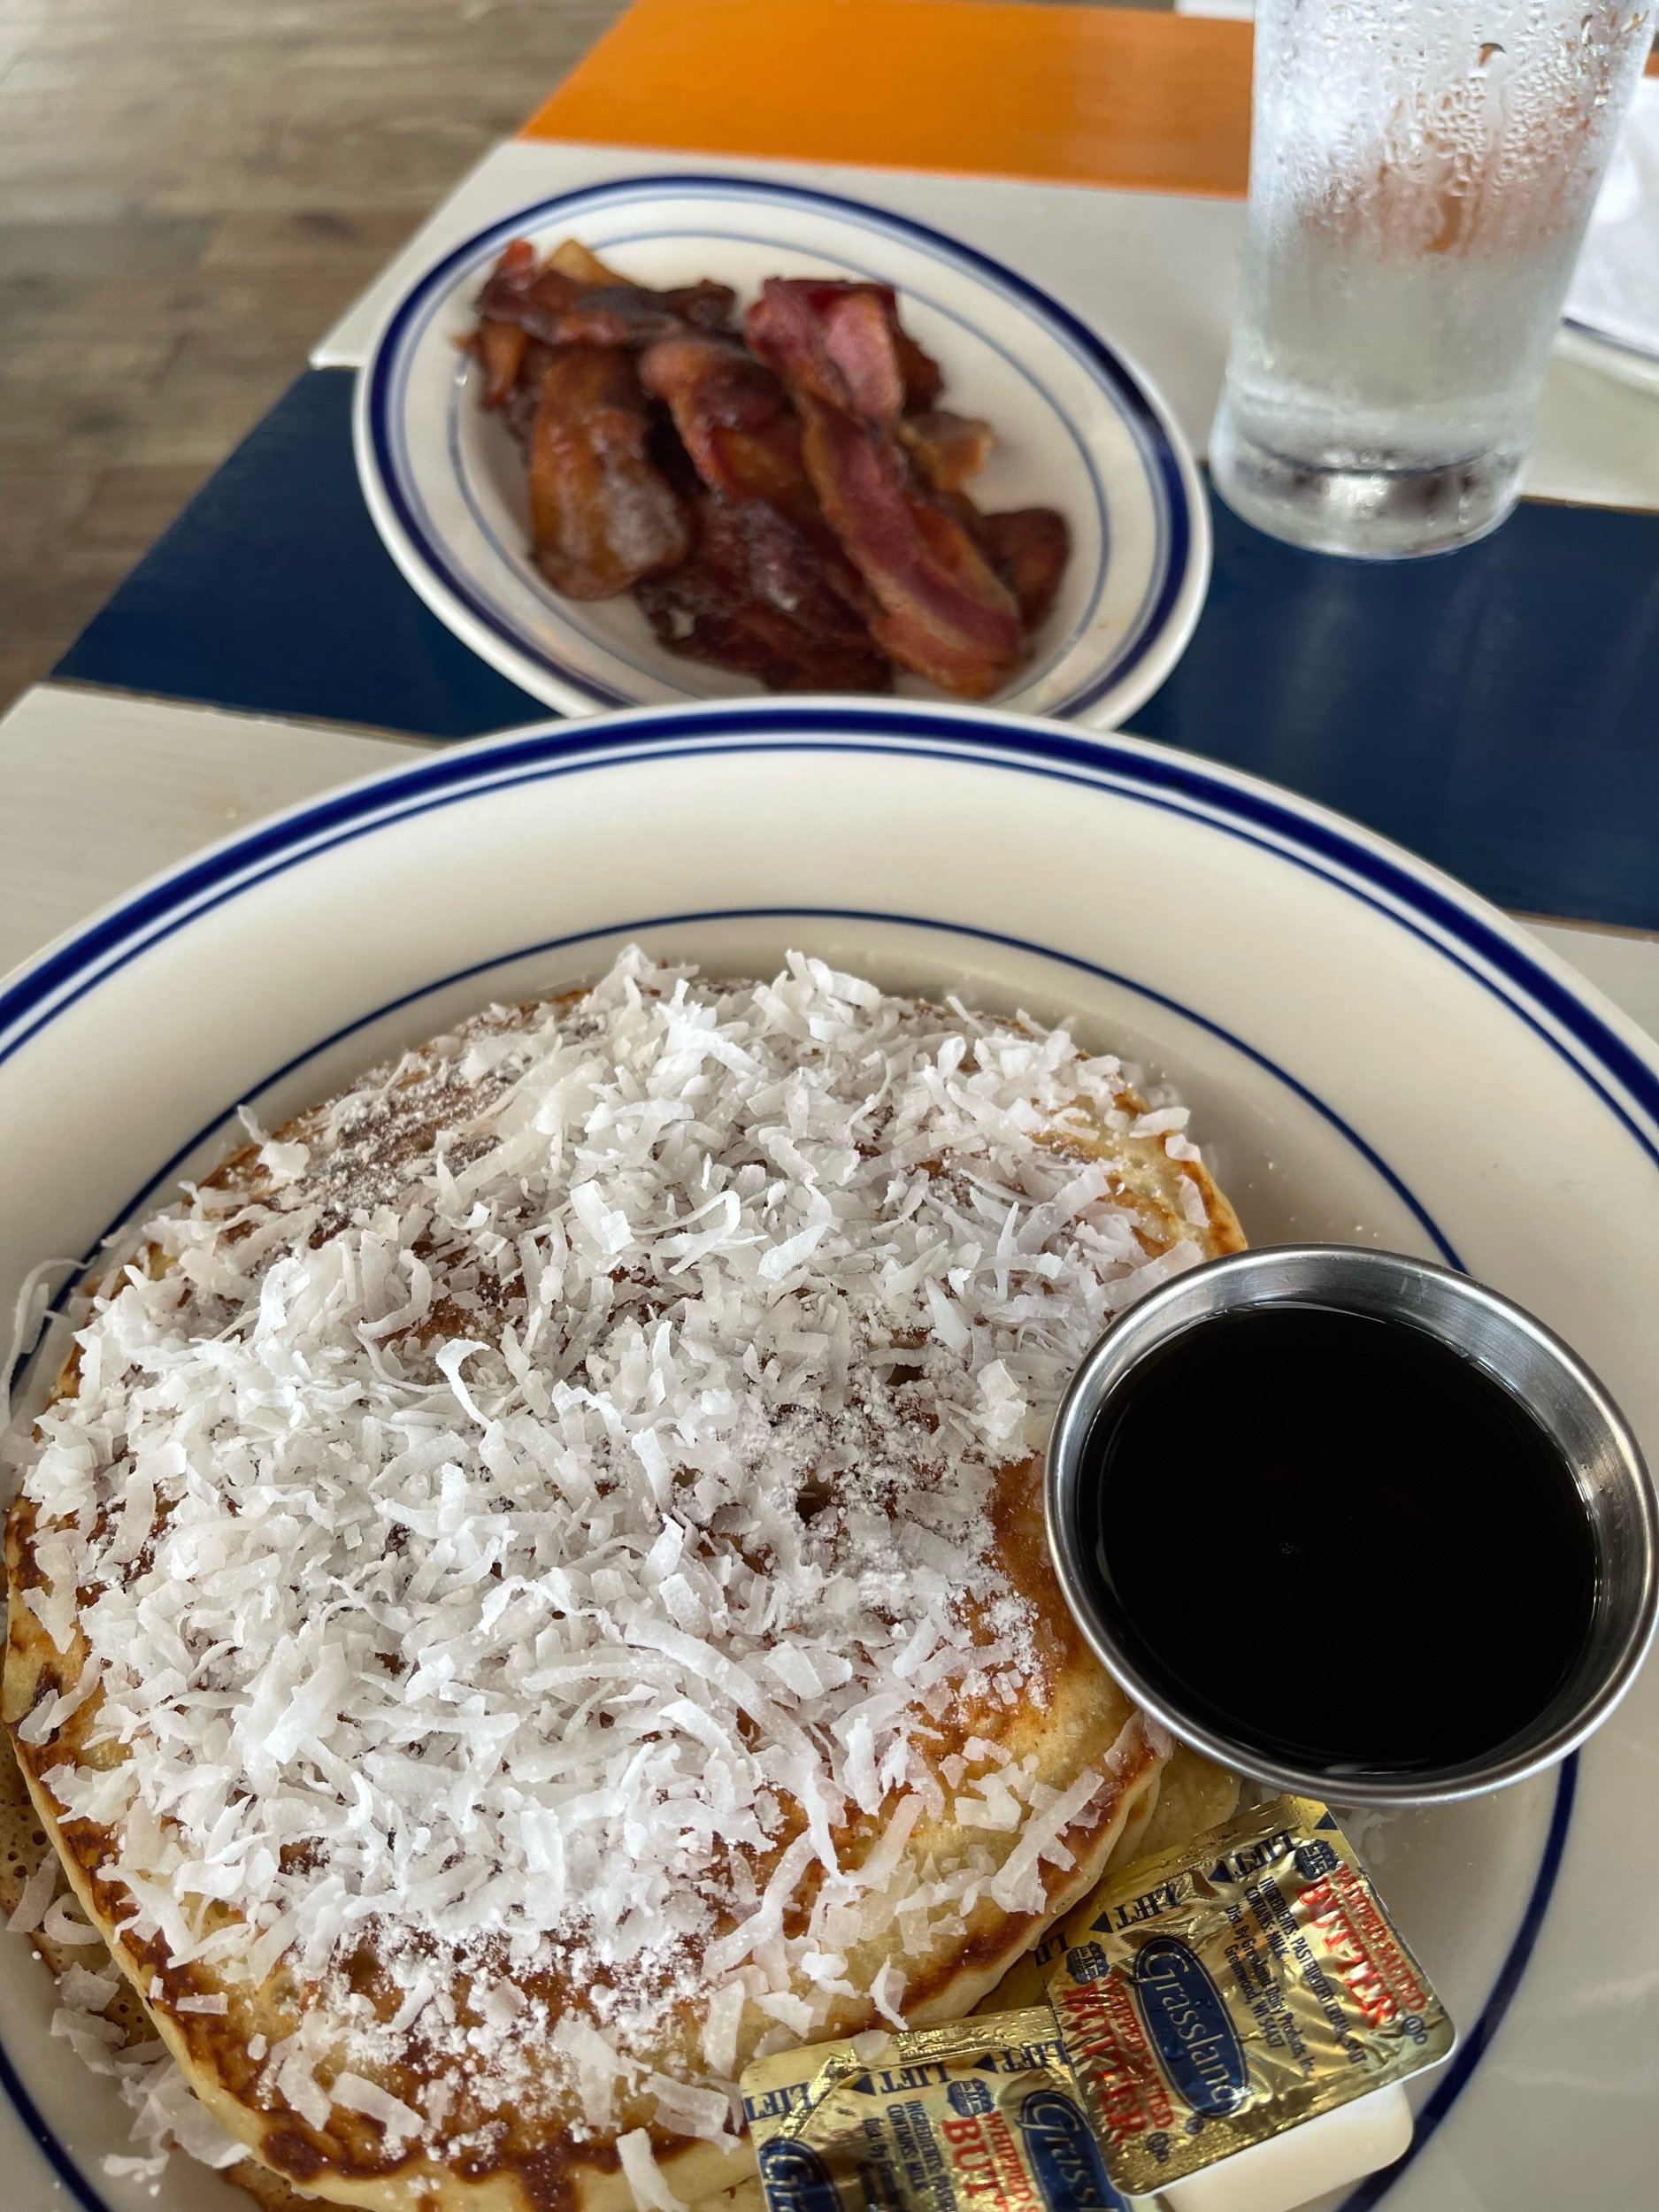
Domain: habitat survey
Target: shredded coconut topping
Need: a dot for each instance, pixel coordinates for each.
(532, 1525)
(167, 2115)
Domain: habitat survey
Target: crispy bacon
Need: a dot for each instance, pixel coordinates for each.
(518, 267)
(946, 448)
(799, 573)
(857, 332)
(525, 396)
(923, 379)
(744, 439)
(529, 296)
(514, 274)
(796, 512)
(735, 419)
(500, 351)
(602, 513)
(753, 598)
(944, 613)
(627, 315)
(1029, 548)
(561, 309)
(498, 345)
(572, 258)
(843, 343)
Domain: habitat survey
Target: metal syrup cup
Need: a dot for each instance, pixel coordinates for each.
(1517, 1352)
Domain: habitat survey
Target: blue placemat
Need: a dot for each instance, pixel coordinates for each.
(1497, 710)
(273, 592)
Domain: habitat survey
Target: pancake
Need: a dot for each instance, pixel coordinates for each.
(1190, 1794)
(533, 1589)
(1194, 1793)
(100, 2012)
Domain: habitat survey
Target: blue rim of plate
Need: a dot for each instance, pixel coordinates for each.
(1182, 551)
(1347, 859)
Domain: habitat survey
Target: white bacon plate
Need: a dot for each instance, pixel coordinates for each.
(1078, 428)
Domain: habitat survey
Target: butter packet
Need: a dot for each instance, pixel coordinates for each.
(979, 2115)
(1211, 1998)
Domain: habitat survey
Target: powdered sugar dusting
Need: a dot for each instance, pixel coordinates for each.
(534, 1520)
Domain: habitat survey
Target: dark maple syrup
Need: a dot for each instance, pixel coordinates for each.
(1335, 1541)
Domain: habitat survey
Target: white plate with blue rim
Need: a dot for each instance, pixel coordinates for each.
(1078, 428)
(1371, 1054)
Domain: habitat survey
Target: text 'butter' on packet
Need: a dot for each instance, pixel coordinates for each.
(979, 2116)
(1216, 1995)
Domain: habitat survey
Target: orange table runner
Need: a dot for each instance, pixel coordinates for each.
(1067, 95)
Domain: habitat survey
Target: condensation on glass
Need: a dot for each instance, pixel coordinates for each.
(1421, 174)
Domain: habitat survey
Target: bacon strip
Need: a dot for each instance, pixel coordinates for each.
(744, 439)
(845, 343)
(923, 379)
(500, 345)
(518, 267)
(626, 315)
(500, 348)
(946, 448)
(602, 514)
(1029, 548)
(753, 597)
(525, 396)
(944, 611)
(572, 258)
(561, 310)
(735, 419)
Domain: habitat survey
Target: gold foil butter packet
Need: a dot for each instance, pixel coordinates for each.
(1212, 1997)
(979, 2116)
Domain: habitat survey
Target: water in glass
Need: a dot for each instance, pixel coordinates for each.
(1421, 174)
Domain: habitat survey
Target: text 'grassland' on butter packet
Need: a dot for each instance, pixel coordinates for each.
(1229, 1989)
(979, 2116)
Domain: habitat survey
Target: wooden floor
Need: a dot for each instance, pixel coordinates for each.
(190, 190)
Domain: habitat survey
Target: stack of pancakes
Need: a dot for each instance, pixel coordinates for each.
(532, 1588)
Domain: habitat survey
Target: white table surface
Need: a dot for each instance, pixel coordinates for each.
(150, 782)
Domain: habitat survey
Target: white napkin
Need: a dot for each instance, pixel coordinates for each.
(1614, 287)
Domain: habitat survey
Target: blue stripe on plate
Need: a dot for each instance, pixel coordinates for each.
(637, 924)
(48, 2143)
(1329, 848)
(1474, 2043)
(1492, 709)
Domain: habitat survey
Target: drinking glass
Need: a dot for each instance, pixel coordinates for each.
(1421, 174)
